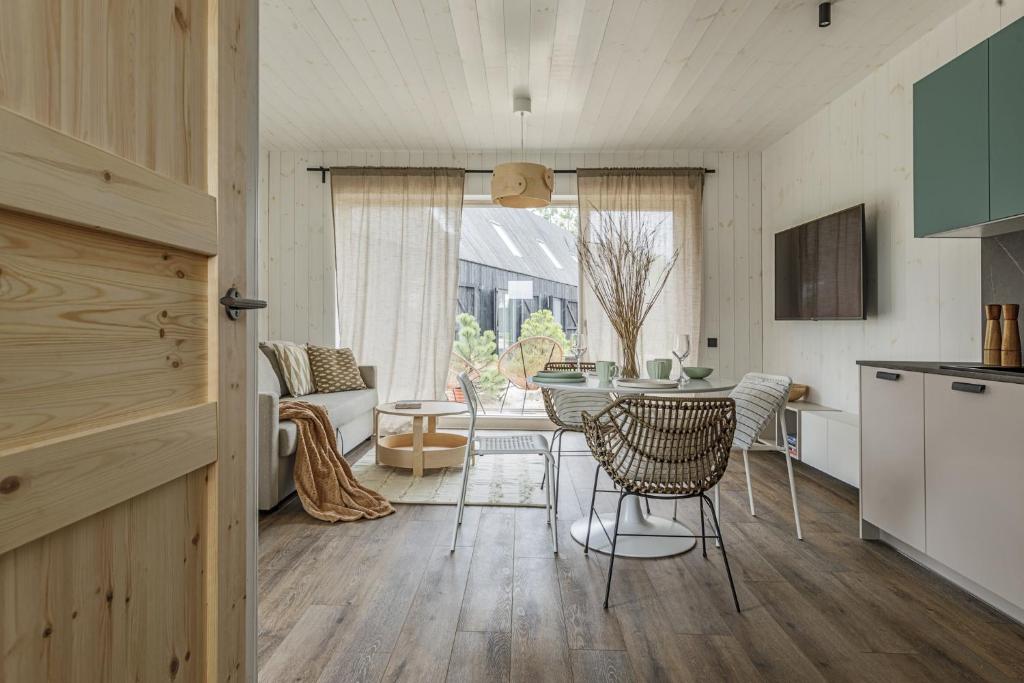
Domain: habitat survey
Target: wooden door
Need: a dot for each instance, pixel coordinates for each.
(126, 157)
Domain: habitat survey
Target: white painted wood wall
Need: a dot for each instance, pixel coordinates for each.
(924, 295)
(297, 244)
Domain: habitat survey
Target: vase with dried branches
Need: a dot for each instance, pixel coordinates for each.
(620, 259)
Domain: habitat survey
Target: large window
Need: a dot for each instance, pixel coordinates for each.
(518, 283)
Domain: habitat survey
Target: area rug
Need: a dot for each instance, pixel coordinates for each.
(508, 480)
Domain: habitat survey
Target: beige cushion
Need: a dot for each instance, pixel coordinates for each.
(334, 369)
(342, 408)
(293, 362)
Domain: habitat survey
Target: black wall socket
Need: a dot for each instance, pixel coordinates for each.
(712, 342)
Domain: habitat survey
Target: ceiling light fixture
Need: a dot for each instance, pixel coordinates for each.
(520, 184)
(824, 14)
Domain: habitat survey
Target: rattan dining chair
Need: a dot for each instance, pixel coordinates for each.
(513, 444)
(565, 410)
(760, 398)
(667, 448)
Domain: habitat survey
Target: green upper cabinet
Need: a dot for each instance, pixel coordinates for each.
(1006, 121)
(969, 141)
(951, 145)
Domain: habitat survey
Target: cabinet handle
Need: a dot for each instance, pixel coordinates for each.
(969, 388)
(888, 376)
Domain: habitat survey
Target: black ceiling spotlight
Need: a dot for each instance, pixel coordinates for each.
(824, 14)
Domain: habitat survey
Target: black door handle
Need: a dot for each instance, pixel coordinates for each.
(235, 304)
(968, 387)
(888, 376)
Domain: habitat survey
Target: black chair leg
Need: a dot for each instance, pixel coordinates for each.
(615, 538)
(648, 501)
(725, 556)
(703, 540)
(593, 499)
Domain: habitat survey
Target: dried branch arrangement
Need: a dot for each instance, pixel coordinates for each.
(620, 259)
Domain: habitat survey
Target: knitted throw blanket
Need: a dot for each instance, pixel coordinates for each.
(323, 478)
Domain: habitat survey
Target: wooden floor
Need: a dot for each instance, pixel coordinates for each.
(384, 600)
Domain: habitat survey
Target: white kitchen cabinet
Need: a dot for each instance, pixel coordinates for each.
(892, 453)
(974, 438)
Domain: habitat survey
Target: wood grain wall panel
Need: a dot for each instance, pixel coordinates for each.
(231, 523)
(88, 70)
(96, 328)
(81, 603)
(922, 294)
(51, 484)
(297, 237)
(98, 189)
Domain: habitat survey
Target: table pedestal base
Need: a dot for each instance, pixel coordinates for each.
(634, 521)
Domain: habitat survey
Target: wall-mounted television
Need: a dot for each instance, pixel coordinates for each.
(819, 268)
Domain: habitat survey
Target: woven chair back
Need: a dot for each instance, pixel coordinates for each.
(569, 365)
(670, 446)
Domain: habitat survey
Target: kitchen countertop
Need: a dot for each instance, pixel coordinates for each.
(933, 368)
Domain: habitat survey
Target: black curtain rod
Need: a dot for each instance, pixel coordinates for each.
(323, 171)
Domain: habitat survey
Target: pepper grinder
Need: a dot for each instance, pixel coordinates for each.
(992, 350)
(1011, 336)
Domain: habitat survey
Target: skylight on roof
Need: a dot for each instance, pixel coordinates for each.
(551, 257)
(500, 229)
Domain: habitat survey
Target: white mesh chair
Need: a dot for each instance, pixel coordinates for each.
(759, 398)
(523, 444)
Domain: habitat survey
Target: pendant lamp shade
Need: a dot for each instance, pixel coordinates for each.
(522, 185)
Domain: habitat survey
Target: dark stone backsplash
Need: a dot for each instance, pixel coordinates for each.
(1002, 269)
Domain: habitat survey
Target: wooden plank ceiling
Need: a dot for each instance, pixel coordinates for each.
(604, 75)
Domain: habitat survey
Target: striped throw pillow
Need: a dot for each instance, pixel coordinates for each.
(758, 396)
(294, 363)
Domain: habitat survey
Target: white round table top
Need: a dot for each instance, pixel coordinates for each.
(426, 409)
(690, 386)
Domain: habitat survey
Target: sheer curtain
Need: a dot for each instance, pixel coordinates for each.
(673, 198)
(396, 236)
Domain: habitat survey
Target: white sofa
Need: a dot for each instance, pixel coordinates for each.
(351, 413)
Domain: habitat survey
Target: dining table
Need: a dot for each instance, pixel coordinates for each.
(651, 535)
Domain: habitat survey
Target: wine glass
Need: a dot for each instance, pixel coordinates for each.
(578, 346)
(681, 342)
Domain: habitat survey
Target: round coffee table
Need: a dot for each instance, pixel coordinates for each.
(419, 450)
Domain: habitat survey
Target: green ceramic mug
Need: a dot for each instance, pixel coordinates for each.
(606, 371)
(659, 368)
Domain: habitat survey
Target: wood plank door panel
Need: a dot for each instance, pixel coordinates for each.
(126, 133)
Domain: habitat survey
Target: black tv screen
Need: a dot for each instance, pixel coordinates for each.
(819, 268)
